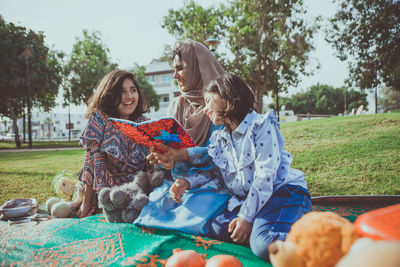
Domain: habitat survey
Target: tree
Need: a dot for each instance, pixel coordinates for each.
(152, 99)
(324, 99)
(195, 22)
(390, 99)
(87, 64)
(42, 64)
(269, 40)
(367, 34)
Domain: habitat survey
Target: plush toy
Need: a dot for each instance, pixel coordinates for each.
(123, 203)
(70, 189)
(368, 253)
(316, 239)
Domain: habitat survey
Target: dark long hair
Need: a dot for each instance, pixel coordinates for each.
(238, 95)
(108, 95)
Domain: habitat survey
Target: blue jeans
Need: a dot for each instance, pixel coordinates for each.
(273, 222)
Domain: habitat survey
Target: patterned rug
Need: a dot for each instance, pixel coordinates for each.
(94, 242)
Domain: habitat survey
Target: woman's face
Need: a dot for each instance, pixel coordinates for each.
(130, 99)
(180, 73)
(215, 106)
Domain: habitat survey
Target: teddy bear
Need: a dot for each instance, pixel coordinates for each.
(316, 239)
(124, 203)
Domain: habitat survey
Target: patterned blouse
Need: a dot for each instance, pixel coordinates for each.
(253, 163)
(111, 157)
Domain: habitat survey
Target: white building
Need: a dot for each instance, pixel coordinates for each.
(160, 75)
(54, 126)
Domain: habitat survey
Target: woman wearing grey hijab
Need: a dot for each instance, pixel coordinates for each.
(195, 66)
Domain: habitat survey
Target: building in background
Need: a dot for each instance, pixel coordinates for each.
(55, 126)
(160, 76)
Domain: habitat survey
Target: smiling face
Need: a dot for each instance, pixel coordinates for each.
(180, 73)
(130, 99)
(215, 106)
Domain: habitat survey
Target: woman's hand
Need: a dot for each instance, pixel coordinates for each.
(87, 208)
(240, 229)
(168, 158)
(178, 188)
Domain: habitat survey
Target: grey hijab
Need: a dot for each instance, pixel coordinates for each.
(201, 68)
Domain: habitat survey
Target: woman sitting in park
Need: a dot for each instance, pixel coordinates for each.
(111, 157)
(195, 66)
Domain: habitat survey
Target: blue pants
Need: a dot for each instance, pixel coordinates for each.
(273, 222)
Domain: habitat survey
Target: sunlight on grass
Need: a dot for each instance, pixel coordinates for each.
(357, 155)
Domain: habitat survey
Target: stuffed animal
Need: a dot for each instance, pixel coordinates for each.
(66, 185)
(124, 203)
(368, 253)
(316, 239)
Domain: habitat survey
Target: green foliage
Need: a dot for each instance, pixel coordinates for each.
(152, 99)
(367, 33)
(43, 66)
(194, 22)
(390, 100)
(269, 40)
(87, 64)
(324, 99)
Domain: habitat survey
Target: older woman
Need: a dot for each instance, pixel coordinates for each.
(195, 66)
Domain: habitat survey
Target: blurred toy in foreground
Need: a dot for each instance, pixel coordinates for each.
(68, 187)
(316, 239)
(124, 203)
(368, 253)
(380, 224)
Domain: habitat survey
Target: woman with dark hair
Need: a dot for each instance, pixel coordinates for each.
(195, 66)
(111, 157)
(267, 195)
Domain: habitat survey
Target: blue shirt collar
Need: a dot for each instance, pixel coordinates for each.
(244, 125)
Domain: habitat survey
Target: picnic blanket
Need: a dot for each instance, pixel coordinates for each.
(92, 241)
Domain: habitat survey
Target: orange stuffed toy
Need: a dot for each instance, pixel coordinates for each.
(316, 239)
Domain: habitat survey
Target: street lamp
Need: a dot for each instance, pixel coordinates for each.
(27, 55)
(212, 43)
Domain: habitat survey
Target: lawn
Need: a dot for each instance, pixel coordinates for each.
(358, 155)
(39, 144)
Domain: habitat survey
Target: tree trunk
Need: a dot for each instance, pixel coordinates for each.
(258, 95)
(14, 118)
(376, 100)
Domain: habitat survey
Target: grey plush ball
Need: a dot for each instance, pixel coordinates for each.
(139, 201)
(114, 216)
(129, 215)
(104, 199)
(118, 196)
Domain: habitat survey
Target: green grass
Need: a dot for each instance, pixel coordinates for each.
(347, 155)
(39, 144)
(29, 174)
(357, 155)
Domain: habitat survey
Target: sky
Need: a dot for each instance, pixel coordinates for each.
(132, 30)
